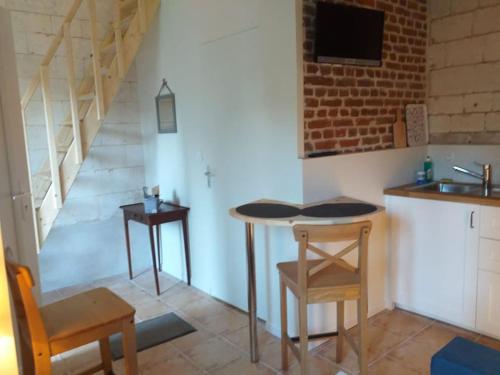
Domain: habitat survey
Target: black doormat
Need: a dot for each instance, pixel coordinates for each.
(153, 332)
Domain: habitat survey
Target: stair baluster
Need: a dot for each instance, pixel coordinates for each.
(73, 98)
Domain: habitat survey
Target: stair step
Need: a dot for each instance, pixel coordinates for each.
(109, 38)
(128, 6)
(45, 175)
(105, 70)
(125, 21)
(110, 47)
(87, 96)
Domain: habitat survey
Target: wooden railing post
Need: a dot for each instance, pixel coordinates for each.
(96, 59)
(73, 98)
(119, 40)
(51, 138)
(142, 15)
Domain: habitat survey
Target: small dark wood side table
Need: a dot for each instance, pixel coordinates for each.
(168, 212)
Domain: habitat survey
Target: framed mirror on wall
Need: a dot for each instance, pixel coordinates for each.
(165, 110)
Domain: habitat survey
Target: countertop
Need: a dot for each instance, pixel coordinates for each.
(413, 191)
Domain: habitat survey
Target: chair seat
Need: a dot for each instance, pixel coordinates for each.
(330, 277)
(83, 312)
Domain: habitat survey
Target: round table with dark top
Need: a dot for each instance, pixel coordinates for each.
(335, 211)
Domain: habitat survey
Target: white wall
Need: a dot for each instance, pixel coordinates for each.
(233, 68)
(446, 156)
(363, 176)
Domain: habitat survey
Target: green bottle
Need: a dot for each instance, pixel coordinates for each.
(428, 169)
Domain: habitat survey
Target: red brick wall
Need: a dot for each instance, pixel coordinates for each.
(352, 108)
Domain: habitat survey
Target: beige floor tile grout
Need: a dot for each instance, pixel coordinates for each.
(400, 344)
(185, 356)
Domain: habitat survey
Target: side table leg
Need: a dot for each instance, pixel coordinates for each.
(187, 253)
(252, 303)
(153, 255)
(158, 245)
(127, 242)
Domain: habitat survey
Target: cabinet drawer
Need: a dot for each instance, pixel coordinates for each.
(489, 255)
(488, 303)
(490, 222)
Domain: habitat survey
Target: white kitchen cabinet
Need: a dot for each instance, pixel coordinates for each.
(433, 247)
(490, 219)
(488, 303)
(488, 282)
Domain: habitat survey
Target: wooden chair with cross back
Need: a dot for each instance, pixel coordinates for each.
(328, 279)
(67, 324)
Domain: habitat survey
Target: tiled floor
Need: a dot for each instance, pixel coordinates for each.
(400, 343)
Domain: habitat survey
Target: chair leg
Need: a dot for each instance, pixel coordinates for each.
(41, 360)
(340, 331)
(106, 356)
(363, 334)
(284, 326)
(129, 346)
(303, 337)
(42, 365)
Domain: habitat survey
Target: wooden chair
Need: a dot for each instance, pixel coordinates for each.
(330, 279)
(68, 324)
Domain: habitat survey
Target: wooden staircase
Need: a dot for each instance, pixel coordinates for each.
(90, 100)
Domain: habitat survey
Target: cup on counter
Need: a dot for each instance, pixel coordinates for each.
(421, 177)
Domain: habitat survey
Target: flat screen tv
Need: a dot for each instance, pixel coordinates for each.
(348, 35)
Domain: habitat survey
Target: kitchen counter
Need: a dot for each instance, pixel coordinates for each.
(416, 191)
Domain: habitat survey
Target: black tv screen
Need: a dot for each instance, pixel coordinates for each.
(348, 35)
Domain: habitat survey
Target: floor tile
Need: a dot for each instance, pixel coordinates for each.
(349, 361)
(146, 280)
(188, 342)
(241, 337)
(213, 354)
(490, 342)
(151, 308)
(243, 367)
(413, 355)
(318, 366)
(203, 308)
(180, 295)
(401, 322)
(270, 354)
(439, 334)
(387, 366)
(225, 321)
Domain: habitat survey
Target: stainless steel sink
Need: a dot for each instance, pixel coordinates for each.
(453, 188)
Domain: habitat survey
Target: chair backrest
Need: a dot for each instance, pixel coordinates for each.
(306, 235)
(29, 320)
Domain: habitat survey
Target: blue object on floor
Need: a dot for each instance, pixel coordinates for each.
(464, 357)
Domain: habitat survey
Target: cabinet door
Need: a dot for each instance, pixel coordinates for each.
(488, 303)
(433, 255)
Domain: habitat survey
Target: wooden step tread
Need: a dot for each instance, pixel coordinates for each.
(128, 5)
(86, 97)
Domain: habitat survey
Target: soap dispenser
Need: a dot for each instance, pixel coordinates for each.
(428, 169)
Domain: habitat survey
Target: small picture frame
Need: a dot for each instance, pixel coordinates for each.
(165, 110)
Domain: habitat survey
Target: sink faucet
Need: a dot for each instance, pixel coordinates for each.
(485, 177)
